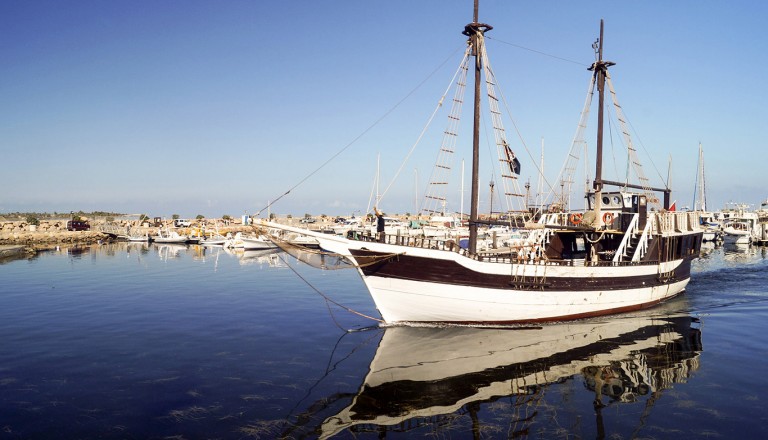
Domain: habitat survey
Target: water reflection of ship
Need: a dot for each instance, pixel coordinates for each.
(420, 375)
(262, 257)
(317, 258)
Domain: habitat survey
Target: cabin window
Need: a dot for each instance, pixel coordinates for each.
(606, 201)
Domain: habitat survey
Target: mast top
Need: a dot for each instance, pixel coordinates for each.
(476, 28)
(600, 65)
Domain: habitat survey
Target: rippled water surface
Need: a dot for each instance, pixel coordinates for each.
(149, 341)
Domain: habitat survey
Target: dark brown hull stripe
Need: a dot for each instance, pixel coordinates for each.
(439, 271)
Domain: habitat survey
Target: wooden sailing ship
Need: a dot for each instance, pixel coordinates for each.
(617, 255)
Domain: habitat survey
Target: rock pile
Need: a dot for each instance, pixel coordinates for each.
(45, 233)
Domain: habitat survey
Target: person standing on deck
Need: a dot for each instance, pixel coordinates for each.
(379, 224)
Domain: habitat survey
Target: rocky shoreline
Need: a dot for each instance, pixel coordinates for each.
(20, 238)
(59, 237)
(8, 252)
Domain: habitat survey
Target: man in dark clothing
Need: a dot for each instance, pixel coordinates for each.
(379, 224)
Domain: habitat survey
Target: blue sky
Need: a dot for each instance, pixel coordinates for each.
(213, 108)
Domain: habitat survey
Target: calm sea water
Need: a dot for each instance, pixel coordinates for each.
(146, 341)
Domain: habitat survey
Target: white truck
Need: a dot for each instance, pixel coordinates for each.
(182, 223)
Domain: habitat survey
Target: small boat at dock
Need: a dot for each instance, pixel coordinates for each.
(169, 236)
(259, 242)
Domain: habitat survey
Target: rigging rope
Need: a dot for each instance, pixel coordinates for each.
(633, 156)
(423, 131)
(508, 162)
(538, 52)
(435, 193)
(568, 170)
(369, 128)
(517, 129)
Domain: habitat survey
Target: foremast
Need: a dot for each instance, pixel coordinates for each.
(475, 31)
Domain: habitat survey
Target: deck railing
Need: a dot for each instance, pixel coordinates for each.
(528, 255)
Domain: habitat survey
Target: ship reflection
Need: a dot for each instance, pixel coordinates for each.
(317, 258)
(420, 377)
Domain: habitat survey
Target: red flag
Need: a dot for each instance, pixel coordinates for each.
(673, 206)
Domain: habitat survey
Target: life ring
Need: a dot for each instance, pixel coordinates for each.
(608, 217)
(576, 217)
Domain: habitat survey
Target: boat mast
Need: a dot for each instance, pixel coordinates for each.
(461, 198)
(700, 192)
(475, 32)
(600, 68)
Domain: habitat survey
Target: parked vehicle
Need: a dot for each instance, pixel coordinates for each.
(308, 220)
(78, 225)
(182, 223)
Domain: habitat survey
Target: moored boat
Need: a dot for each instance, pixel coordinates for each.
(739, 224)
(213, 240)
(259, 242)
(761, 236)
(169, 236)
(737, 232)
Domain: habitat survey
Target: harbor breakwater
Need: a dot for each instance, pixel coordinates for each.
(19, 238)
(45, 233)
(49, 234)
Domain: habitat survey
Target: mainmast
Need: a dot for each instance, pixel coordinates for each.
(475, 32)
(600, 68)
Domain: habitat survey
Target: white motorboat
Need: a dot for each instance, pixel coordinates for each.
(257, 243)
(137, 237)
(213, 240)
(169, 236)
(737, 232)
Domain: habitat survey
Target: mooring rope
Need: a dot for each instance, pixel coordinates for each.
(330, 300)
